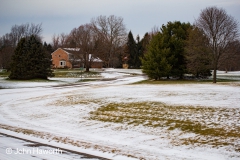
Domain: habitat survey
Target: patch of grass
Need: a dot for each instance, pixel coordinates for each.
(31, 80)
(4, 74)
(87, 80)
(183, 81)
(27, 131)
(60, 74)
(227, 80)
(75, 100)
(75, 73)
(189, 119)
(172, 81)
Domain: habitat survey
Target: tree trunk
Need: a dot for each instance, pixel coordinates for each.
(87, 63)
(197, 75)
(215, 74)
(226, 70)
(87, 68)
(181, 76)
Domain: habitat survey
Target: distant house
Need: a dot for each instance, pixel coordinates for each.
(71, 58)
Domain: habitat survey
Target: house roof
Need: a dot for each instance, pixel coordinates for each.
(95, 59)
(71, 50)
(68, 50)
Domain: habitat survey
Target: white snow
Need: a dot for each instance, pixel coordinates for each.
(234, 75)
(11, 149)
(60, 116)
(15, 144)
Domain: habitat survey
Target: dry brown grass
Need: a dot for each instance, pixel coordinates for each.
(212, 126)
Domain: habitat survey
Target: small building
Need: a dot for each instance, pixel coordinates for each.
(60, 59)
(72, 58)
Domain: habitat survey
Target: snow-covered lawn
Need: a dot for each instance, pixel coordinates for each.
(113, 118)
(229, 75)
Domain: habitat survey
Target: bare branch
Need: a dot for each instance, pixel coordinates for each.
(113, 35)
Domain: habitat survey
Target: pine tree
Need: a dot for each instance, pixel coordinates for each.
(175, 35)
(165, 53)
(131, 50)
(144, 43)
(155, 62)
(30, 60)
(48, 48)
(139, 54)
(18, 59)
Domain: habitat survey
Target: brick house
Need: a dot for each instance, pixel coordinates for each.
(71, 58)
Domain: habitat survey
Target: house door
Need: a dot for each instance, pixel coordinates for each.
(62, 64)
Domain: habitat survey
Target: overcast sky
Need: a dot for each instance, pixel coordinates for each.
(140, 16)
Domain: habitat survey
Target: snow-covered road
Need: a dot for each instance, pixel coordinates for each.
(59, 114)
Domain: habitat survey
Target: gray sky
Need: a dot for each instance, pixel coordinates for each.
(140, 16)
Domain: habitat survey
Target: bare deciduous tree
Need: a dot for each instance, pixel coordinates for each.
(25, 30)
(230, 60)
(6, 50)
(59, 40)
(87, 40)
(154, 31)
(198, 53)
(10, 40)
(113, 37)
(55, 41)
(221, 30)
(63, 39)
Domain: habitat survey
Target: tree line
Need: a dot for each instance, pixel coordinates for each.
(173, 50)
(212, 42)
(9, 41)
(103, 37)
(23, 53)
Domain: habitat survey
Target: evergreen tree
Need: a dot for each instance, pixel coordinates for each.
(30, 60)
(144, 43)
(139, 54)
(131, 50)
(155, 62)
(165, 54)
(175, 34)
(45, 44)
(18, 69)
(134, 51)
(48, 48)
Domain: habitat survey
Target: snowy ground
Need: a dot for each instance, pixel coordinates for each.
(12, 149)
(229, 75)
(120, 121)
